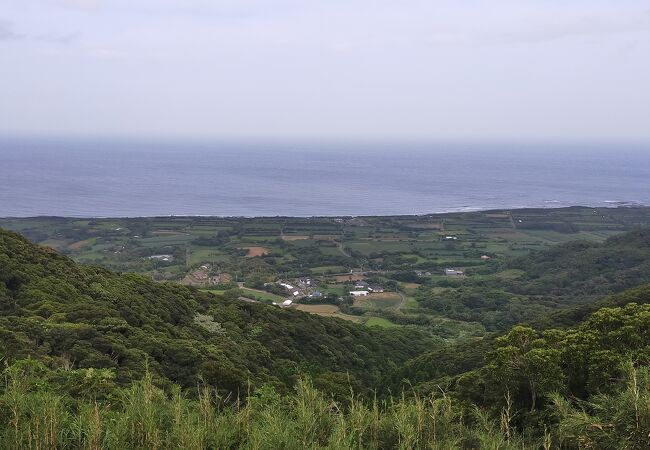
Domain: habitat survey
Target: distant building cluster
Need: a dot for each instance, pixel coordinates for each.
(454, 273)
(362, 288)
(164, 258)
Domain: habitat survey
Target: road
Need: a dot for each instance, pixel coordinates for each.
(341, 249)
(402, 302)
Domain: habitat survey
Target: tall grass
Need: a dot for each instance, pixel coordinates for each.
(143, 416)
(619, 421)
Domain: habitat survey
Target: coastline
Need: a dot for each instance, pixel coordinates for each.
(460, 210)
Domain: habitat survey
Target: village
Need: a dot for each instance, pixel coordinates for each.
(342, 295)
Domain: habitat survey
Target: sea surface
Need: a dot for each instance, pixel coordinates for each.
(110, 178)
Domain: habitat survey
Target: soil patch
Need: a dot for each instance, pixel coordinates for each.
(77, 245)
(256, 251)
(294, 238)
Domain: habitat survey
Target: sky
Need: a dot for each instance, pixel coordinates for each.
(358, 69)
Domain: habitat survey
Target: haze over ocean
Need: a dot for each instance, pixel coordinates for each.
(110, 178)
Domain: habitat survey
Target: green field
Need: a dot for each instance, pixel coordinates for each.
(380, 322)
(255, 294)
(391, 250)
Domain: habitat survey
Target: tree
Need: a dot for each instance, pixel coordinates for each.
(525, 367)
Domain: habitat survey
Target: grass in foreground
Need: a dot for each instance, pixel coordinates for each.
(144, 416)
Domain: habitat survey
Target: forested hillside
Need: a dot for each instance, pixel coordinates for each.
(94, 359)
(441, 366)
(71, 316)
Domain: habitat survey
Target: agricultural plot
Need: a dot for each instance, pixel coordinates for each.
(384, 300)
(257, 294)
(253, 251)
(328, 311)
(336, 252)
(380, 322)
(339, 243)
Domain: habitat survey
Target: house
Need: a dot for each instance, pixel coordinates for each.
(377, 289)
(358, 293)
(286, 286)
(164, 258)
(296, 293)
(361, 285)
(454, 273)
(316, 294)
(486, 258)
(287, 303)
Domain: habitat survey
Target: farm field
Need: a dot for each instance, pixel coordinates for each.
(328, 311)
(379, 322)
(254, 251)
(378, 300)
(406, 256)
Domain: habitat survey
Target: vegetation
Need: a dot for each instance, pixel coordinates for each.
(529, 401)
(550, 349)
(572, 274)
(213, 253)
(68, 315)
(441, 366)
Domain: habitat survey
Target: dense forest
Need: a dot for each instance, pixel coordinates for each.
(95, 359)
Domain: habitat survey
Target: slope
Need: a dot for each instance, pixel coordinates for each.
(71, 316)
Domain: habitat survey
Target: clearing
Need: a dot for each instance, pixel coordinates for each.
(380, 300)
(79, 244)
(327, 311)
(294, 238)
(380, 322)
(256, 251)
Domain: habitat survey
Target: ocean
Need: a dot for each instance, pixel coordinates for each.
(111, 178)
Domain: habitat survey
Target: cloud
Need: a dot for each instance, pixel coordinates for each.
(361, 67)
(6, 31)
(78, 4)
(57, 38)
(582, 26)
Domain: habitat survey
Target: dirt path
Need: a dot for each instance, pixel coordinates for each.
(402, 302)
(341, 249)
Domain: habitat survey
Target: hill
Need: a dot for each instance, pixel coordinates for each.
(70, 316)
(442, 366)
(95, 359)
(584, 387)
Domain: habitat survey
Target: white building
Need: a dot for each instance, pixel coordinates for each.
(287, 303)
(454, 273)
(358, 293)
(165, 258)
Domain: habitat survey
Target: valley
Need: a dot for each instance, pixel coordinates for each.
(330, 265)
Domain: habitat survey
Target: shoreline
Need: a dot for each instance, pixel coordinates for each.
(608, 205)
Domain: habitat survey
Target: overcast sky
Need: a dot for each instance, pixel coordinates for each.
(371, 69)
